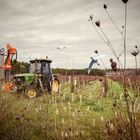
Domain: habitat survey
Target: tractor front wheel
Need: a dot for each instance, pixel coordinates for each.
(31, 92)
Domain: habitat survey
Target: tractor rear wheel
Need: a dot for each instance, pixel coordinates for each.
(31, 92)
(55, 86)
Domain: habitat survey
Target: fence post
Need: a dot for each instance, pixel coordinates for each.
(1, 64)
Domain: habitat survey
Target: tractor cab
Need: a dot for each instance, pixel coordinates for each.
(40, 66)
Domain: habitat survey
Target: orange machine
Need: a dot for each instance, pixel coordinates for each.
(11, 51)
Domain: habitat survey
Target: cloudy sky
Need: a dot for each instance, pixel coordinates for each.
(37, 27)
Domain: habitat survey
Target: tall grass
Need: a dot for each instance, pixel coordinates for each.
(85, 114)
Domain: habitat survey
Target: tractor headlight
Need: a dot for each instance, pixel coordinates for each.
(18, 79)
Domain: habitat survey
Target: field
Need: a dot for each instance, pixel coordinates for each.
(83, 114)
(92, 90)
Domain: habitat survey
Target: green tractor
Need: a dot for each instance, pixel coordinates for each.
(40, 80)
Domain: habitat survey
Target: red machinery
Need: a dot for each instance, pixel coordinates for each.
(11, 51)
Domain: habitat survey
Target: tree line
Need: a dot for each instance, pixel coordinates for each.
(23, 67)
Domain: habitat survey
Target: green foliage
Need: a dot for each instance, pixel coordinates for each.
(98, 72)
(20, 67)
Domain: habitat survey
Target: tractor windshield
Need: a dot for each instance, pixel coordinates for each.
(43, 68)
(32, 68)
(35, 67)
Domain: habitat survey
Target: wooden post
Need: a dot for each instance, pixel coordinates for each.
(105, 86)
(1, 64)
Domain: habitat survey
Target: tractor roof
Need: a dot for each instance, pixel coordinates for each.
(40, 60)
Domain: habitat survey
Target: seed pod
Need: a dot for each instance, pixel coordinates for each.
(100, 79)
(124, 1)
(91, 17)
(96, 51)
(113, 65)
(105, 6)
(134, 53)
(111, 60)
(97, 23)
(114, 104)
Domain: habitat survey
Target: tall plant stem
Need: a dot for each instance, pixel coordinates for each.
(111, 47)
(125, 37)
(115, 24)
(125, 89)
(98, 33)
(109, 43)
(136, 64)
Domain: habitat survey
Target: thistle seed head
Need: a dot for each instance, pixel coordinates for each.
(125, 1)
(105, 6)
(111, 60)
(97, 23)
(91, 17)
(96, 51)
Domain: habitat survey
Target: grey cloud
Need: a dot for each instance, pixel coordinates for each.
(37, 27)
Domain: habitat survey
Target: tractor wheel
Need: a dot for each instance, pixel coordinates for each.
(55, 86)
(31, 92)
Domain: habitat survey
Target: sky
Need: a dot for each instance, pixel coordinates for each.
(37, 27)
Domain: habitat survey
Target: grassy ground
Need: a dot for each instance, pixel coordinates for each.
(80, 115)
